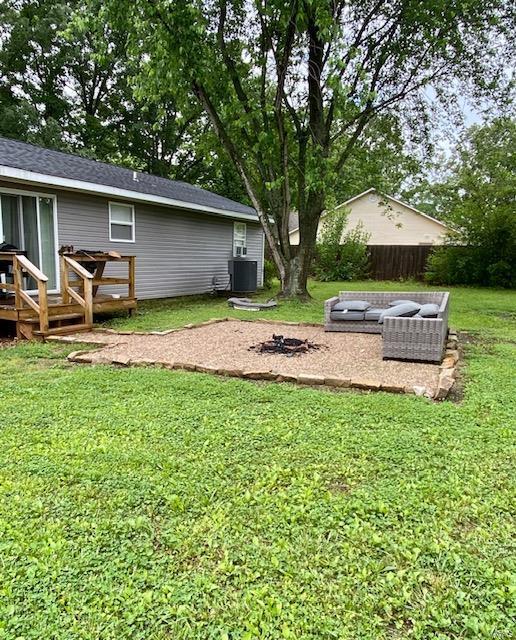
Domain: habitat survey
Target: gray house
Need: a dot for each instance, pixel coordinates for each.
(180, 235)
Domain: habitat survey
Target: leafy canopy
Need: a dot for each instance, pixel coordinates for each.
(478, 200)
(291, 88)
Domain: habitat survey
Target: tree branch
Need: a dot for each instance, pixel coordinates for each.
(270, 232)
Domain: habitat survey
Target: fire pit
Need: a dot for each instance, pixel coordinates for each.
(284, 346)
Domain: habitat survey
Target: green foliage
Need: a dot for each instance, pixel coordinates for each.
(379, 160)
(66, 83)
(479, 201)
(466, 265)
(339, 255)
(294, 89)
(476, 309)
(270, 273)
(145, 503)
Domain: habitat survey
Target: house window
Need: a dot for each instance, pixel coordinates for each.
(121, 222)
(239, 239)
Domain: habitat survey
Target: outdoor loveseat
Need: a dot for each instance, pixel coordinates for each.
(404, 337)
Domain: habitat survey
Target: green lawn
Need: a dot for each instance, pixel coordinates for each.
(490, 310)
(154, 504)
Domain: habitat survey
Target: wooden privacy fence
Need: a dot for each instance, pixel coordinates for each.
(395, 262)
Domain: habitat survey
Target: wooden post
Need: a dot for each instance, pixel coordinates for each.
(43, 306)
(63, 268)
(132, 277)
(88, 299)
(18, 283)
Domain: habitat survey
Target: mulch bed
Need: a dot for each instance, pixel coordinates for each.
(224, 347)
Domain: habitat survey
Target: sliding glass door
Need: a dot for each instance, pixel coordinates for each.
(47, 240)
(28, 223)
(9, 220)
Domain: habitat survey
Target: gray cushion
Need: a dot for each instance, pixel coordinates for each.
(351, 305)
(347, 315)
(429, 310)
(405, 310)
(373, 314)
(396, 303)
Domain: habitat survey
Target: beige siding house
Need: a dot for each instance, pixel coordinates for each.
(388, 221)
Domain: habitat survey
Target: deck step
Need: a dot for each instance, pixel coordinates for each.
(53, 310)
(63, 316)
(70, 328)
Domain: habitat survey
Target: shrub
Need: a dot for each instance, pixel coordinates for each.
(270, 273)
(478, 201)
(339, 255)
(469, 265)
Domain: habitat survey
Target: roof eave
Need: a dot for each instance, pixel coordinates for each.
(404, 204)
(69, 184)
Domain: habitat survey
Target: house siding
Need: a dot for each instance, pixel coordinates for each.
(395, 224)
(177, 252)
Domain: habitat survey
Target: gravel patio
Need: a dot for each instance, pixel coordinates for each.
(343, 359)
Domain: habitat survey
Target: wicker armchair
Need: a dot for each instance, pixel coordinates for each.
(403, 338)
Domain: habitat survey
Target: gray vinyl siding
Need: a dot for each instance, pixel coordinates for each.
(177, 252)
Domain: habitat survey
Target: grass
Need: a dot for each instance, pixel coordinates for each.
(150, 504)
(491, 311)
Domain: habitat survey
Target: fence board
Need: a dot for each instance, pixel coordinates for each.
(394, 262)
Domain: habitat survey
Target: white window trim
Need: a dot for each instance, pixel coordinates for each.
(124, 224)
(235, 255)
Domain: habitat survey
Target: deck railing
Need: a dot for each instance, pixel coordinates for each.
(84, 283)
(27, 301)
(99, 262)
(21, 266)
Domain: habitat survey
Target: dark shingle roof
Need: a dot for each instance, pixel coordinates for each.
(29, 157)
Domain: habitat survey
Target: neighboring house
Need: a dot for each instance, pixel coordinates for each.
(386, 220)
(182, 236)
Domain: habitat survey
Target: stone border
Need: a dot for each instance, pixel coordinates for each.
(447, 369)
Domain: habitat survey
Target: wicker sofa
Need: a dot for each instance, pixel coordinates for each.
(403, 338)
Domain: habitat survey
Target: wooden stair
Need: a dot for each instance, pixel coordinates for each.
(59, 324)
(38, 314)
(36, 317)
(69, 328)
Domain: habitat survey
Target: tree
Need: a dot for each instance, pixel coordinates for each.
(31, 83)
(478, 201)
(380, 159)
(339, 255)
(291, 87)
(65, 84)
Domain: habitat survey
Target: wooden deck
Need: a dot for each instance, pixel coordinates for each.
(40, 314)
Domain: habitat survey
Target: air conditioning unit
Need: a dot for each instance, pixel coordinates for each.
(244, 275)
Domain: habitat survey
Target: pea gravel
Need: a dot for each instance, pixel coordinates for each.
(225, 345)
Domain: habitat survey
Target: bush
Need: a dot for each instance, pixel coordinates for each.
(469, 265)
(270, 273)
(478, 202)
(341, 256)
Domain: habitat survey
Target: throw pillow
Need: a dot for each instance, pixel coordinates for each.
(351, 305)
(429, 310)
(395, 303)
(405, 310)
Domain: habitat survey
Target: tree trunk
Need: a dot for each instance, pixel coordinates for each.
(297, 265)
(294, 282)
